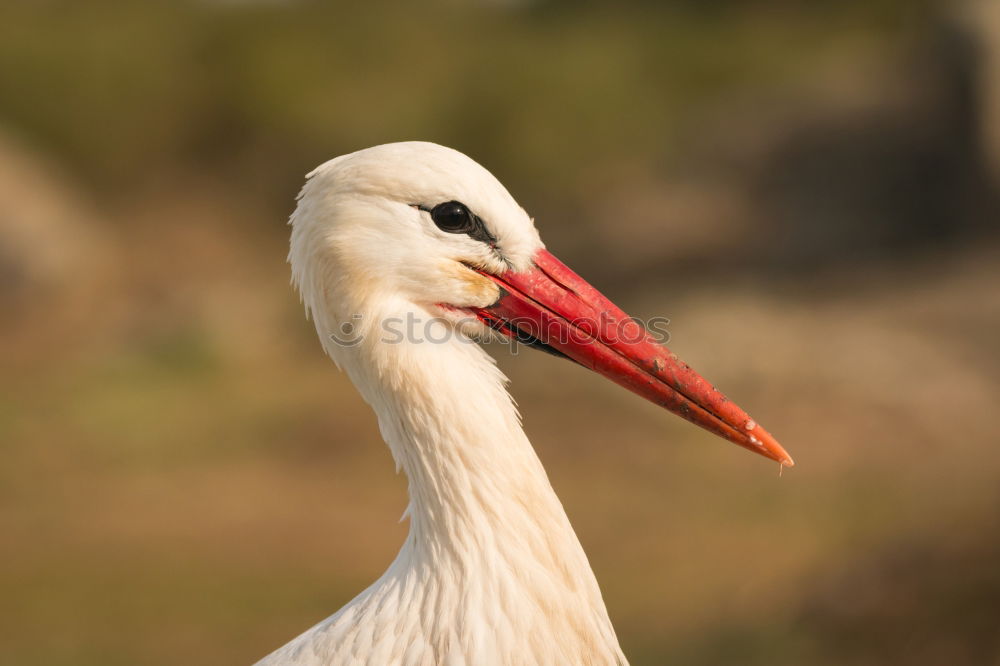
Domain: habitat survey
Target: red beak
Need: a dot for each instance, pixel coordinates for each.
(551, 305)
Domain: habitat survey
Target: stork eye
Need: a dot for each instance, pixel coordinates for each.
(453, 217)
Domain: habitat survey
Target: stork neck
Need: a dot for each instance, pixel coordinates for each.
(485, 522)
(473, 476)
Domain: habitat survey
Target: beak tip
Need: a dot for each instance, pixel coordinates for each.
(767, 445)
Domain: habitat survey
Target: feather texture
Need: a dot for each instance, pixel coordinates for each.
(491, 571)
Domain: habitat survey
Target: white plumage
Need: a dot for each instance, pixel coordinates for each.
(491, 571)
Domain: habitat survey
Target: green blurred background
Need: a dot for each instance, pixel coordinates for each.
(809, 190)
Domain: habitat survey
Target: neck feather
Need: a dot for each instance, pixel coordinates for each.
(444, 411)
(489, 539)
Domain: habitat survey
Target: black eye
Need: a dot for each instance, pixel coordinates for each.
(453, 217)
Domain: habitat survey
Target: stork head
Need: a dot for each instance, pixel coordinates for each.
(418, 228)
(405, 222)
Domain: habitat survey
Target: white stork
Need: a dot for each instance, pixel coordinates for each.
(491, 571)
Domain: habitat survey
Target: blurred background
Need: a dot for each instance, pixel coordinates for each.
(808, 190)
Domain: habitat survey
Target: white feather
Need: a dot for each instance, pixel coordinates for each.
(491, 571)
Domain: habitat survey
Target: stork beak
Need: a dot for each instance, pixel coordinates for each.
(551, 305)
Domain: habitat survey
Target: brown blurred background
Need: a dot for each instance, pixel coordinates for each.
(809, 190)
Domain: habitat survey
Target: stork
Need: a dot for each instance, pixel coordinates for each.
(491, 571)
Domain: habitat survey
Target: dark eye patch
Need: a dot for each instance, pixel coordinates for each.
(454, 217)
